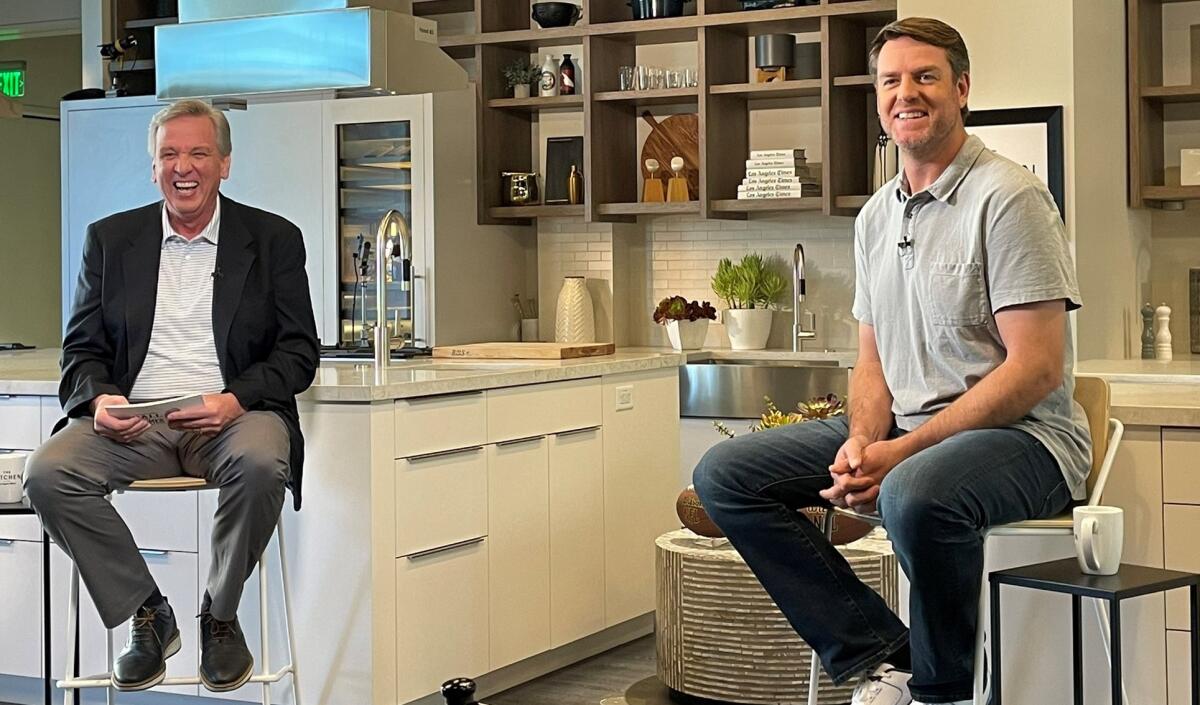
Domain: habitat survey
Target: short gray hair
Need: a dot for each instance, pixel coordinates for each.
(927, 31)
(196, 108)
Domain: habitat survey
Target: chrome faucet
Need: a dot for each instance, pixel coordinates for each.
(401, 247)
(798, 292)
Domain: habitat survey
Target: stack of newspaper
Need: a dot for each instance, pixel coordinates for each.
(780, 173)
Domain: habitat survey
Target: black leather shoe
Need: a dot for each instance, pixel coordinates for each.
(225, 662)
(153, 638)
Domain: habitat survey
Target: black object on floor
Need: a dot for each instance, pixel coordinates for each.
(459, 691)
(1064, 576)
(23, 507)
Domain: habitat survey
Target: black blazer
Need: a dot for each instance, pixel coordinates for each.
(262, 314)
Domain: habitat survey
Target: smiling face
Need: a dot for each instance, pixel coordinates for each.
(918, 99)
(188, 168)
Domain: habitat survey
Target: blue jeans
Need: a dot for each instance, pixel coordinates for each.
(935, 506)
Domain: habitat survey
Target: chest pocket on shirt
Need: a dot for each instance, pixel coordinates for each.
(957, 294)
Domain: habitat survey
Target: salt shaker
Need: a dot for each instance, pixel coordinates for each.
(1147, 331)
(1162, 333)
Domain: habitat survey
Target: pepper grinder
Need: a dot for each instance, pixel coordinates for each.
(1162, 333)
(677, 185)
(459, 691)
(652, 191)
(1147, 331)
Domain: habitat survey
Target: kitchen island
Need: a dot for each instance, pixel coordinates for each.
(486, 518)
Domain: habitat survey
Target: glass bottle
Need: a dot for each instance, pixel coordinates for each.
(566, 73)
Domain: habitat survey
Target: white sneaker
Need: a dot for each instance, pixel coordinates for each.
(886, 685)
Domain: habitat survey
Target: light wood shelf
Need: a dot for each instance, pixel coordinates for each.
(1170, 193)
(723, 102)
(1171, 94)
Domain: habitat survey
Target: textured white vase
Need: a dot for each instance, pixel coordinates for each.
(748, 328)
(687, 335)
(574, 321)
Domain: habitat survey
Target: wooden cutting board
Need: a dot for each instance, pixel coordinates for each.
(524, 351)
(674, 136)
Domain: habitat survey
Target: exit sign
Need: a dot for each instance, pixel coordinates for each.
(12, 79)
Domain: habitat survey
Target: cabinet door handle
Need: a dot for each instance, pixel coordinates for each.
(516, 441)
(442, 549)
(443, 454)
(575, 431)
(7, 542)
(440, 397)
(152, 552)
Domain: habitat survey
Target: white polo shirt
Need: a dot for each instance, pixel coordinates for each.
(182, 358)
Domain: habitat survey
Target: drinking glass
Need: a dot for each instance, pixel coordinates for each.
(657, 77)
(691, 78)
(627, 82)
(674, 79)
(643, 78)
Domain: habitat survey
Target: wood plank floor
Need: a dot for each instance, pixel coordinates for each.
(622, 676)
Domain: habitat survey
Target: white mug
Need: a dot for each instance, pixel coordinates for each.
(12, 469)
(1099, 535)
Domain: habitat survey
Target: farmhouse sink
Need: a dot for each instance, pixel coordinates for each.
(732, 389)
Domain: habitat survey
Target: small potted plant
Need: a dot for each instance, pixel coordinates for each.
(519, 75)
(686, 321)
(750, 288)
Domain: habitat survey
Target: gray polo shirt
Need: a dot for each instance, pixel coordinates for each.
(932, 270)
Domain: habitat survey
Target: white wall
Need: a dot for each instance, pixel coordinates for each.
(29, 193)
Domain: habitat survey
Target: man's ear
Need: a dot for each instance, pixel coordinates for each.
(964, 89)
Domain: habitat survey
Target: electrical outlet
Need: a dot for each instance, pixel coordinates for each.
(625, 397)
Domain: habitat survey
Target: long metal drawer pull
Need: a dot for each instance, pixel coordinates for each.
(443, 453)
(515, 441)
(441, 397)
(442, 549)
(575, 431)
(152, 552)
(7, 542)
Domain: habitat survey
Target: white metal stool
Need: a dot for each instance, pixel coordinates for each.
(264, 676)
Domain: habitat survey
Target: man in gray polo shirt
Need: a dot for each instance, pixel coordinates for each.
(961, 414)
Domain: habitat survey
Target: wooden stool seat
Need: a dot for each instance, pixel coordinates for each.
(170, 484)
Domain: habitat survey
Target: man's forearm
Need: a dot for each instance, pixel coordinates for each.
(870, 402)
(1001, 398)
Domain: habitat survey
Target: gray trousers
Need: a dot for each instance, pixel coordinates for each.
(68, 478)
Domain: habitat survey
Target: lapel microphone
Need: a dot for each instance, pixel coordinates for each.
(217, 273)
(904, 243)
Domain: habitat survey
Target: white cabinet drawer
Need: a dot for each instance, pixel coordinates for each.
(20, 608)
(1180, 552)
(431, 424)
(1181, 469)
(441, 618)
(20, 422)
(441, 499)
(164, 521)
(20, 527)
(539, 409)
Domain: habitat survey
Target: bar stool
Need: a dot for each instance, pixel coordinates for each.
(264, 676)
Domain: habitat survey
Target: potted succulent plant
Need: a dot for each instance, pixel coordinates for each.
(519, 75)
(750, 288)
(686, 321)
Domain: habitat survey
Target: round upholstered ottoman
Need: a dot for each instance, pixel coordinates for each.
(720, 636)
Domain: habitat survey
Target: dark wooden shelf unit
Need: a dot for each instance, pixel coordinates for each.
(552, 211)
(1150, 105)
(535, 103)
(724, 99)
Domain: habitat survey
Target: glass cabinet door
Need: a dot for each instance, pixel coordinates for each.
(375, 167)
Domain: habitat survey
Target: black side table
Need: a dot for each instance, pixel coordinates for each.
(48, 680)
(1064, 576)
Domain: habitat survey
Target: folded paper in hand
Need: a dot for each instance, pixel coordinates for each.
(155, 411)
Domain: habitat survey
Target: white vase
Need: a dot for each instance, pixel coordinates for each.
(574, 320)
(748, 328)
(687, 335)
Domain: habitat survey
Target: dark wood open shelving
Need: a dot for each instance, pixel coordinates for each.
(724, 99)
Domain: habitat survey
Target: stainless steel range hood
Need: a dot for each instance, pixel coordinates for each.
(352, 49)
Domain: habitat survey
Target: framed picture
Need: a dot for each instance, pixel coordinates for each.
(1031, 137)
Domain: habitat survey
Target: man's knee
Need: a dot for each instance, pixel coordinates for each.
(259, 467)
(45, 475)
(716, 475)
(909, 512)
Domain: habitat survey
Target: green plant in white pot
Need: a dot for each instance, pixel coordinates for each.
(750, 288)
(519, 76)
